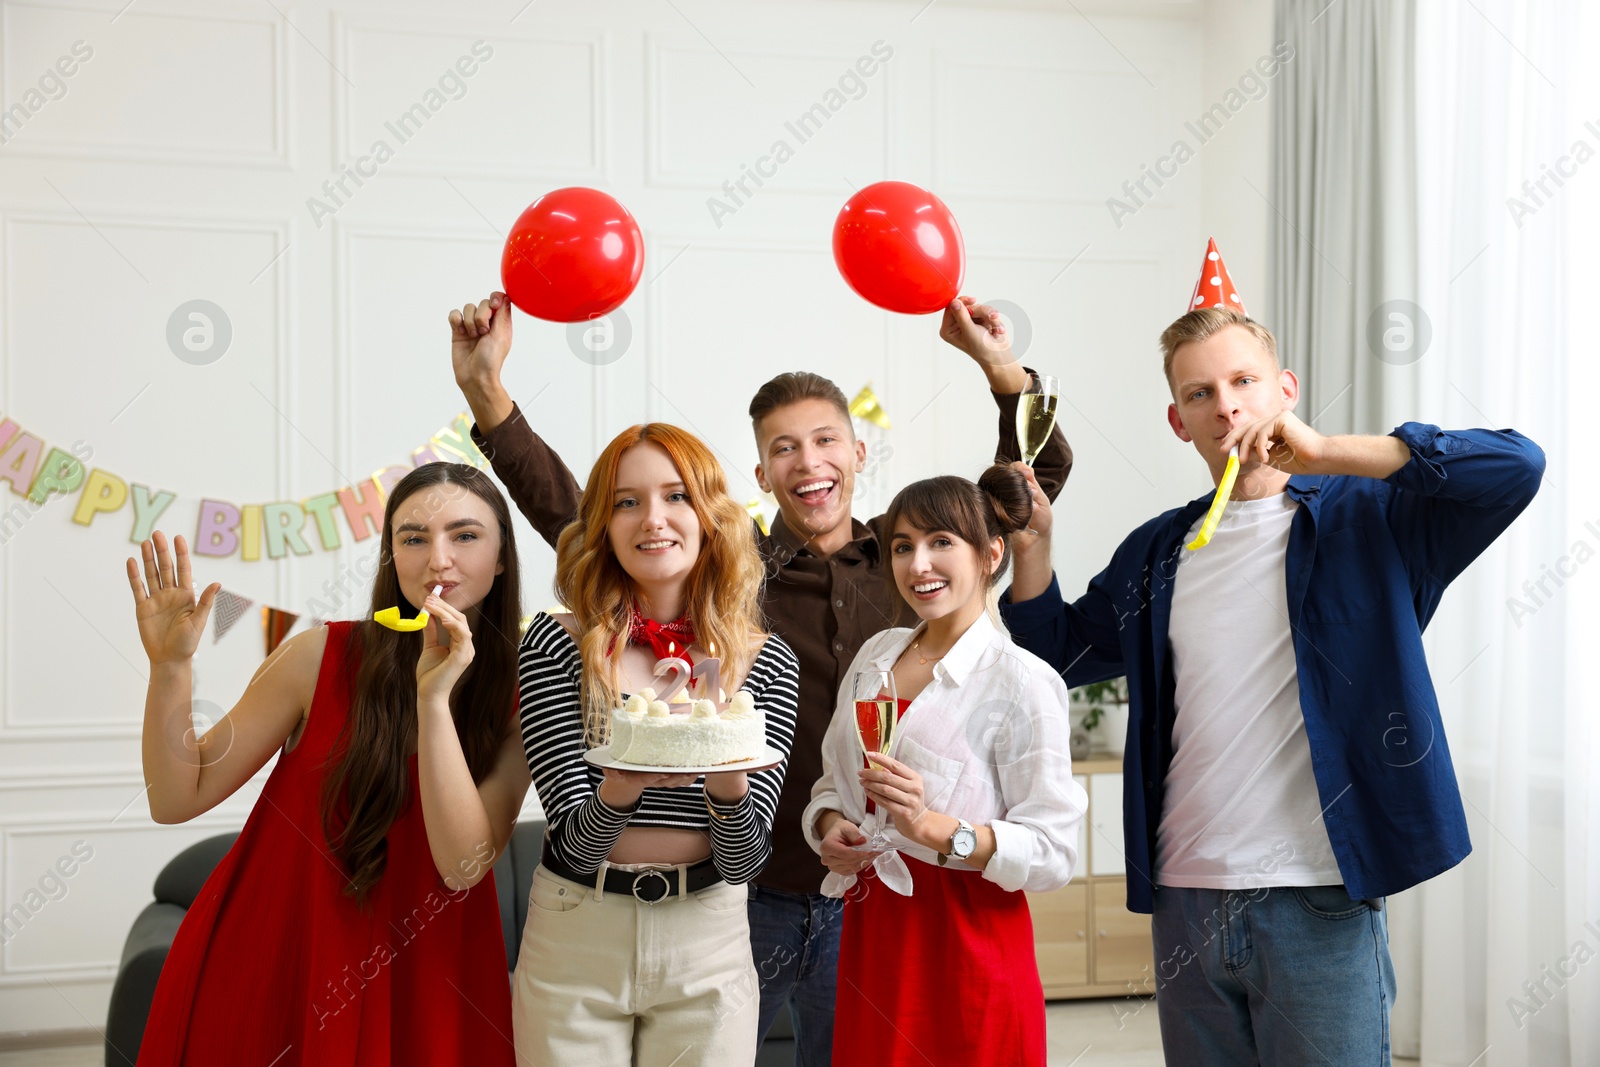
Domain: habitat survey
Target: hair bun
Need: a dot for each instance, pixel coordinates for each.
(1010, 496)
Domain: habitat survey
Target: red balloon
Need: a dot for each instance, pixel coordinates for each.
(575, 254)
(900, 248)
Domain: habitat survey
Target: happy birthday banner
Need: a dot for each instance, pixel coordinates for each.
(224, 528)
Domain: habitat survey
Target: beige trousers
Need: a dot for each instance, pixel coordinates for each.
(605, 980)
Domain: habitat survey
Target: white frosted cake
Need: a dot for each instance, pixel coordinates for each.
(647, 732)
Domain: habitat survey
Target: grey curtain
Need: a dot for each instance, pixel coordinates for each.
(1343, 236)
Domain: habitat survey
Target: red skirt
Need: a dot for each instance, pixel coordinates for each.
(944, 976)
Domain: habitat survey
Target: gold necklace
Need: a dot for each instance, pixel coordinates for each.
(921, 659)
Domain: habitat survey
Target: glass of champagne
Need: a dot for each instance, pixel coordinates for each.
(877, 714)
(1036, 415)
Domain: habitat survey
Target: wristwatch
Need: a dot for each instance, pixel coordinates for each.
(963, 843)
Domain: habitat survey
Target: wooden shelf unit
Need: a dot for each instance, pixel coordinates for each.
(1087, 941)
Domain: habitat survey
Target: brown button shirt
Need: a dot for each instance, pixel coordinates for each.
(824, 607)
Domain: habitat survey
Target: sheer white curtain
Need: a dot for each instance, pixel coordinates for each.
(1343, 194)
(1498, 960)
(1583, 612)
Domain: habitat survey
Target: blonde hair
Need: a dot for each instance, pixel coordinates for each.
(1204, 323)
(724, 585)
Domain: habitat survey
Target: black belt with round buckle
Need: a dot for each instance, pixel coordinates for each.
(648, 887)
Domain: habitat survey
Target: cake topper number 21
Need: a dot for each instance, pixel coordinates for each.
(680, 675)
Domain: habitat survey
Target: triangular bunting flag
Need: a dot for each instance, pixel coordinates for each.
(227, 610)
(1215, 289)
(276, 624)
(866, 406)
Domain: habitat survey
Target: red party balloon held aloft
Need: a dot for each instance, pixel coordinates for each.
(575, 254)
(899, 247)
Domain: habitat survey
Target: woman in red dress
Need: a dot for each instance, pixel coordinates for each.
(936, 962)
(330, 934)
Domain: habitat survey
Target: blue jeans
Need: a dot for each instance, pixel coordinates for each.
(1272, 975)
(795, 940)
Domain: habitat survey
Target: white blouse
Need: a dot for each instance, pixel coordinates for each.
(989, 735)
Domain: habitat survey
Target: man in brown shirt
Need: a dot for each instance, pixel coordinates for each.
(827, 591)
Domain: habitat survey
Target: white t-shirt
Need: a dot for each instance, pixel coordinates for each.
(1241, 809)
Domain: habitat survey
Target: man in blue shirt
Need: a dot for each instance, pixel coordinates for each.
(1286, 765)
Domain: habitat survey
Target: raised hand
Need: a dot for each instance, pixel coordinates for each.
(480, 338)
(441, 664)
(977, 330)
(170, 619)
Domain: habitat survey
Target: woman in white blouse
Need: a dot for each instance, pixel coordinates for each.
(977, 793)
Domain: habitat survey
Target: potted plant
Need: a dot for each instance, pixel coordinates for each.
(1106, 719)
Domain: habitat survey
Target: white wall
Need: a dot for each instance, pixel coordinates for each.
(1237, 166)
(178, 165)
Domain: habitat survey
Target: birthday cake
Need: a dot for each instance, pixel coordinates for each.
(647, 732)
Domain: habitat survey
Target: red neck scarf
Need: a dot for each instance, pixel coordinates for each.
(657, 635)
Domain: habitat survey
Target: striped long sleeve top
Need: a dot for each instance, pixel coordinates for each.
(582, 827)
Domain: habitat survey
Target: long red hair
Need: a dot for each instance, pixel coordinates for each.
(724, 585)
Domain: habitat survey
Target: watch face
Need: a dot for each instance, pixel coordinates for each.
(963, 842)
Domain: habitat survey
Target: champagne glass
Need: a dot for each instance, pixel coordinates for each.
(1036, 415)
(877, 713)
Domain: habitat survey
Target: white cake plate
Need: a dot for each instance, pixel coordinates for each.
(601, 757)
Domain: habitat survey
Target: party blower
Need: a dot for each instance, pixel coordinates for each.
(1218, 502)
(390, 617)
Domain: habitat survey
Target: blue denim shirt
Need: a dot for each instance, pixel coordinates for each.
(1367, 563)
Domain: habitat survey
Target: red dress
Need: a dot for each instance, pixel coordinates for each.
(274, 964)
(944, 976)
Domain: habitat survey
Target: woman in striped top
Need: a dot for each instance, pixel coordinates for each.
(637, 948)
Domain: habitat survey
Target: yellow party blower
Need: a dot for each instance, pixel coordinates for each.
(1218, 502)
(390, 617)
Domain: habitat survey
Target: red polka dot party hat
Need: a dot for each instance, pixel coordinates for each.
(1215, 289)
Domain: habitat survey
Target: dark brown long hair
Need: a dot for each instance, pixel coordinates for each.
(367, 784)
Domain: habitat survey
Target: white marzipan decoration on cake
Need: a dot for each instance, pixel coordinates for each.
(645, 731)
